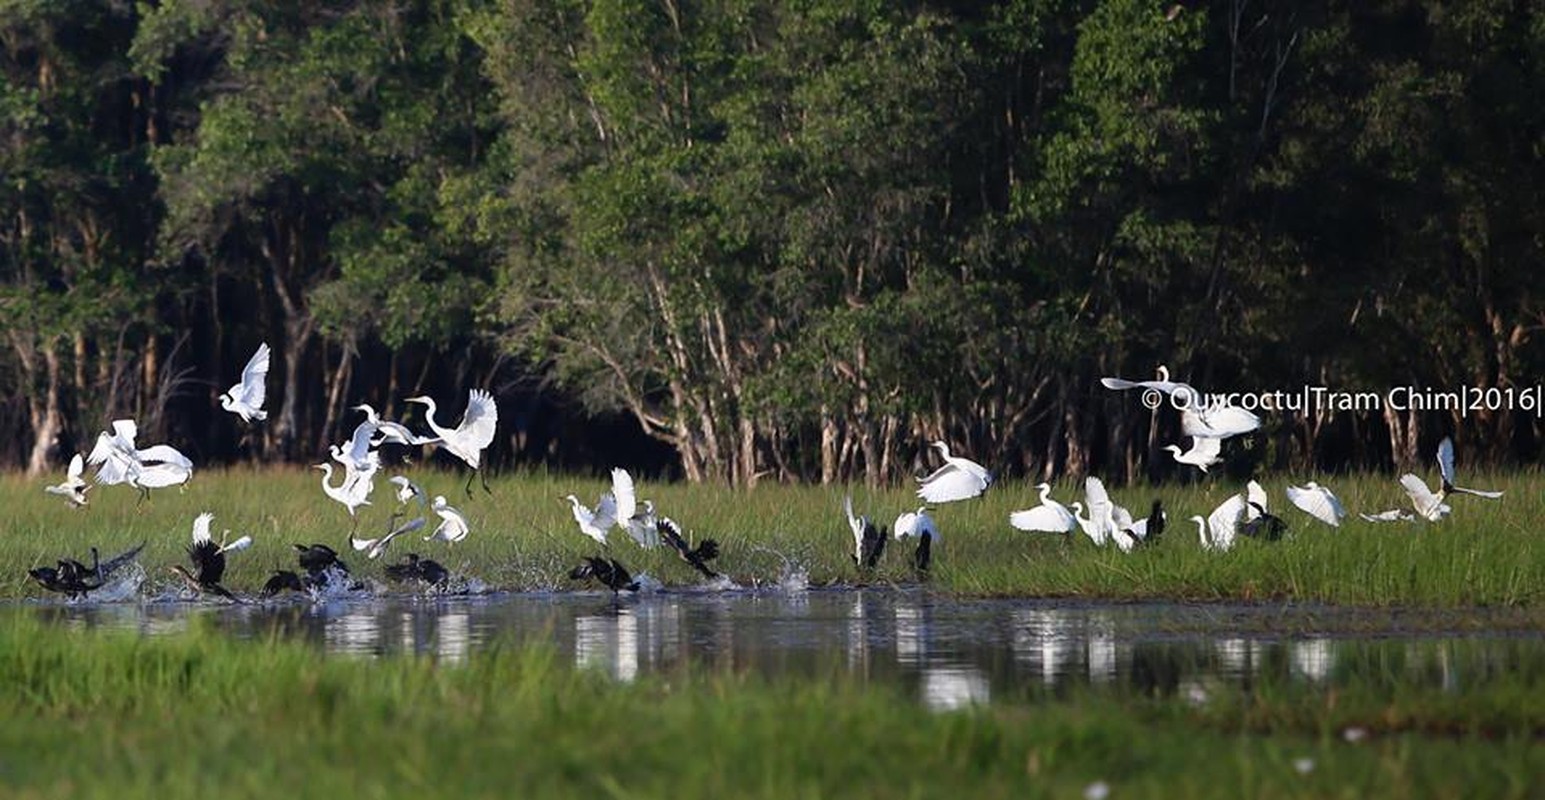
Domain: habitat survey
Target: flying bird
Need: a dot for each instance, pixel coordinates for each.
(1446, 470)
(453, 526)
(1163, 384)
(635, 517)
(1318, 502)
(698, 557)
(595, 523)
(245, 399)
(74, 487)
(471, 436)
(1205, 451)
(208, 559)
(351, 494)
(959, 479)
(1049, 517)
(373, 548)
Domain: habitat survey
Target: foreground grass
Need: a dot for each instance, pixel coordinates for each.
(112, 715)
(1487, 553)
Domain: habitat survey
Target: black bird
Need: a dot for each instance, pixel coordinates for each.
(1148, 530)
(208, 569)
(281, 580)
(698, 557)
(414, 568)
(611, 574)
(316, 559)
(70, 577)
(922, 557)
(1267, 526)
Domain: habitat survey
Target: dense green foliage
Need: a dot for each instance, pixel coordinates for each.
(93, 715)
(781, 238)
(523, 537)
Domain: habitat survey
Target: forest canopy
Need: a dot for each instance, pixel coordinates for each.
(739, 240)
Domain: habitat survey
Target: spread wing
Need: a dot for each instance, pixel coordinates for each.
(1315, 504)
(477, 425)
(1422, 498)
(1223, 522)
(1101, 512)
(201, 527)
(1446, 461)
(623, 491)
(77, 468)
(1256, 494)
(950, 483)
(254, 379)
(1050, 519)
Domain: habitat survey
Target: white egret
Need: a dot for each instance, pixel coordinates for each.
(1101, 523)
(245, 399)
(1205, 452)
(959, 479)
(385, 431)
(595, 524)
(1224, 522)
(345, 492)
(471, 436)
(1218, 421)
(1163, 384)
(118, 460)
(638, 519)
(1393, 515)
(1318, 502)
(1428, 506)
(408, 491)
(1050, 516)
(1446, 470)
(868, 541)
(453, 526)
(373, 548)
(918, 523)
(74, 487)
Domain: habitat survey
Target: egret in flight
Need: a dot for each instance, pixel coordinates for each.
(1205, 451)
(1446, 470)
(74, 487)
(959, 479)
(595, 523)
(471, 436)
(373, 548)
(1319, 502)
(634, 516)
(245, 399)
(453, 526)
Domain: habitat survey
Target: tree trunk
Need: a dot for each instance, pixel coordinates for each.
(45, 414)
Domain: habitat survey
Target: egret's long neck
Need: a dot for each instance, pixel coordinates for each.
(1045, 493)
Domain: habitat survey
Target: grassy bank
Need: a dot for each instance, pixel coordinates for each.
(101, 715)
(1487, 553)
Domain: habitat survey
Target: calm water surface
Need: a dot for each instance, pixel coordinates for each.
(948, 651)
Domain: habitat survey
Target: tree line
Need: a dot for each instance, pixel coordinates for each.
(739, 240)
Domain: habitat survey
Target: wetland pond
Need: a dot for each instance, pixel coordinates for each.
(946, 651)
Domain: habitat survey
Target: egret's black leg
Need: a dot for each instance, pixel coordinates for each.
(468, 487)
(483, 476)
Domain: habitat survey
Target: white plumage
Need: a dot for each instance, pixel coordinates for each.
(453, 526)
(1318, 502)
(1050, 516)
(959, 479)
(74, 487)
(245, 399)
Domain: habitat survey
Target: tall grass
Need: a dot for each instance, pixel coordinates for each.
(105, 715)
(1487, 553)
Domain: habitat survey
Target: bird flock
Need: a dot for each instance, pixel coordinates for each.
(118, 459)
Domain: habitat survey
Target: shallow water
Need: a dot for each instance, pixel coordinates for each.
(947, 651)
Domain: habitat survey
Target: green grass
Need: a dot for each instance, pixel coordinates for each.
(92, 714)
(1488, 553)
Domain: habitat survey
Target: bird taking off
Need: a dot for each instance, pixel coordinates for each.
(959, 479)
(471, 436)
(245, 399)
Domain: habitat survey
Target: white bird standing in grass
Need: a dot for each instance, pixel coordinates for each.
(959, 479)
(1318, 502)
(471, 436)
(245, 399)
(918, 523)
(74, 487)
(1221, 527)
(597, 523)
(1050, 516)
(453, 526)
